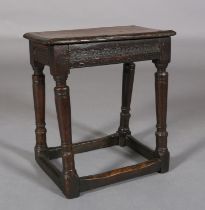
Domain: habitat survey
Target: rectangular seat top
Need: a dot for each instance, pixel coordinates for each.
(96, 35)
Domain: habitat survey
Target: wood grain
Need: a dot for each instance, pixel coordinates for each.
(96, 35)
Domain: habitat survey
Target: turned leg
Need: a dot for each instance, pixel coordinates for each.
(127, 86)
(39, 105)
(161, 89)
(70, 179)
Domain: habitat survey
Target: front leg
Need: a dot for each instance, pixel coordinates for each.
(70, 179)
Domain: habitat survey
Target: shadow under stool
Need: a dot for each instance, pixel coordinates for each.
(69, 49)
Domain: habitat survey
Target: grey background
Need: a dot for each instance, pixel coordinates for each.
(95, 94)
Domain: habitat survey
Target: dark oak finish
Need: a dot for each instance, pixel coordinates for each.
(85, 146)
(120, 174)
(127, 86)
(103, 53)
(97, 35)
(39, 105)
(66, 50)
(62, 99)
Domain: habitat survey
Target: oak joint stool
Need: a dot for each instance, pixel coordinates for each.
(69, 49)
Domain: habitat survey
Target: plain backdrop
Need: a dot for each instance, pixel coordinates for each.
(17, 17)
(95, 95)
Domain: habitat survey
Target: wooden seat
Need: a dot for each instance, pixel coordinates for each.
(69, 49)
(96, 35)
